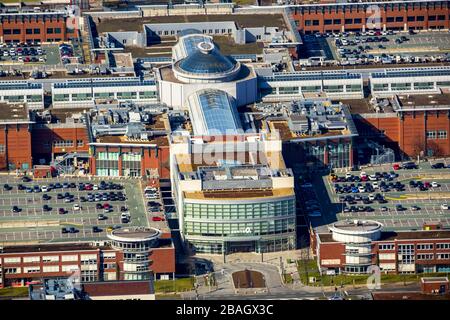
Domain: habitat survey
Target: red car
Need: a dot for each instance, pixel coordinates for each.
(106, 206)
(396, 166)
(157, 219)
(88, 187)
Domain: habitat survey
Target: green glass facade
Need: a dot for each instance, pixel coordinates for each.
(247, 226)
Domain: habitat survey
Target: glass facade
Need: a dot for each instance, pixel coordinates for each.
(131, 164)
(107, 164)
(260, 226)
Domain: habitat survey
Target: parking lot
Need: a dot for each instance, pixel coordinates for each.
(409, 200)
(31, 222)
(382, 47)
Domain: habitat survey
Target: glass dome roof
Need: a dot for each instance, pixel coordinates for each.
(206, 60)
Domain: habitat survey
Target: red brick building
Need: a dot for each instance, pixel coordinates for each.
(15, 138)
(36, 27)
(394, 15)
(22, 265)
(353, 246)
(423, 131)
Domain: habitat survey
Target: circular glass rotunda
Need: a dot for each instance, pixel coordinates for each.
(205, 65)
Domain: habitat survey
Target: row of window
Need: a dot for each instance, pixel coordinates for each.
(31, 31)
(105, 95)
(368, 20)
(437, 134)
(422, 246)
(204, 31)
(430, 256)
(21, 98)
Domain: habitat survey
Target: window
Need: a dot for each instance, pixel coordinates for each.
(425, 246)
(80, 143)
(426, 256)
(443, 256)
(389, 246)
(6, 31)
(390, 19)
(50, 269)
(357, 20)
(441, 17)
(443, 246)
(31, 259)
(69, 268)
(399, 19)
(11, 260)
(432, 18)
(380, 87)
(34, 269)
(348, 21)
(50, 259)
(315, 22)
(50, 30)
(411, 19)
(442, 134)
(337, 21)
(401, 86)
(37, 31)
(2, 148)
(69, 258)
(431, 134)
(29, 31)
(16, 31)
(63, 143)
(420, 18)
(12, 270)
(327, 22)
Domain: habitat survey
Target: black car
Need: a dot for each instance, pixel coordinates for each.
(61, 211)
(64, 230)
(59, 196)
(399, 207)
(83, 199)
(45, 207)
(409, 165)
(96, 229)
(46, 197)
(123, 209)
(438, 165)
(98, 206)
(15, 209)
(26, 179)
(73, 230)
(7, 187)
(21, 187)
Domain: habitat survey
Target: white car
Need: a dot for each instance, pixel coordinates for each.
(95, 187)
(363, 174)
(434, 184)
(375, 185)
(76, 207)
(444, 206)
(361, 189)
(373, 177)
(371, 197)
(44, 189)
(348, 175)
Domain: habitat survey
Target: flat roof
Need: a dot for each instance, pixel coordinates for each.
(242, 20)
(52, 247)
(400, 235)
(191, 162)
(408, 101)
(160, 141)
(13, 112)
(239, 194)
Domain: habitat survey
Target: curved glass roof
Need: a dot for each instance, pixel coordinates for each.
(189, 31)
(217, 112)
(206, 62)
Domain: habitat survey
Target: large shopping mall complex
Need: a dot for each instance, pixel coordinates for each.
(222, 107)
